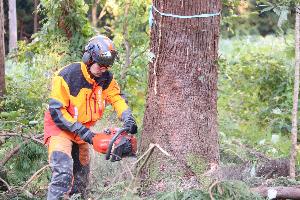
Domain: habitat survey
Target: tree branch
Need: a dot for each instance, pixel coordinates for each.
(103, 11)
(34, 176)
(34, 138)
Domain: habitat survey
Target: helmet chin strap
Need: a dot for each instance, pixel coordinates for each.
(88, 66)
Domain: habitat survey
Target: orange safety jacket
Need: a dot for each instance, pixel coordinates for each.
(77, 101)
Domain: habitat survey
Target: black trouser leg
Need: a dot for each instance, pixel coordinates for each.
(62, 171)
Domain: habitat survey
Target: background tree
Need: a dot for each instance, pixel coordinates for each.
(13, 34)
(181, 106)
(95, 16)
(2, 51)
(36, 17)
(296, 96)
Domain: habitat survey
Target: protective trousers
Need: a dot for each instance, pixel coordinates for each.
(69, 163)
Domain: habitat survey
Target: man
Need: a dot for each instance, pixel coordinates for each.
(78, 97)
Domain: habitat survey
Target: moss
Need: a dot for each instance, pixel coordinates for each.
(198, 164)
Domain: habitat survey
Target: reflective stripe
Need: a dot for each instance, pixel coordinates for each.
(100, 102)
(61, 121)
(75, 113)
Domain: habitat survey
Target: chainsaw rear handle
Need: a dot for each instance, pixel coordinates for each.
(115, 137)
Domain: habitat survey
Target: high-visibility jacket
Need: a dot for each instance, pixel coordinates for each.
(77, 101)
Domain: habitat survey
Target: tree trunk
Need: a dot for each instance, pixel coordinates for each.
(296, 93)
(181, 107)
(126, 41)
(36, 17)
(2, 51)
(94, 13)
(12, 25)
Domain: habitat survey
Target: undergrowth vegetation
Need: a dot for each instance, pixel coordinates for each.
(255, 92)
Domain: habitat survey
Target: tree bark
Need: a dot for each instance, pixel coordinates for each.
(292, 192)
(181, 107)
(2, 51)
(295, 98)
(13, 35)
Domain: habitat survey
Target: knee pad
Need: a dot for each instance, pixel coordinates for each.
(62, 173)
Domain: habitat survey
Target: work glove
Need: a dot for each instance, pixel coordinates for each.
(85, 134)
(130, 123)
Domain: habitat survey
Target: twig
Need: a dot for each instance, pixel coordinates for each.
(145, 161)
(151, 146)
(147, 154)
(162, 150)
(210, 189)
(34, 176)
(5, 183)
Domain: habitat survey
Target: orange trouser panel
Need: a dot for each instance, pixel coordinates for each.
(67, 159)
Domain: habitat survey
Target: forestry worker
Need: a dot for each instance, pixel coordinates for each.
(77, 100)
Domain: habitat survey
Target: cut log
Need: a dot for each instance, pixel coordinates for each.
(273, 168)
(269, 169)
(292, 192)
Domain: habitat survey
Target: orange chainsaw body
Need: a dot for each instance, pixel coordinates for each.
(101, 140)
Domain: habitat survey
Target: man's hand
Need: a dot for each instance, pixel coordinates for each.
(88, 137)
(130, 124)
(85, 134)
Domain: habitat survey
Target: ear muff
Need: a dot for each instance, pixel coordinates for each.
(86, 57)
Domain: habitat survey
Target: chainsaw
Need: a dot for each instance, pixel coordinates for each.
(116, 143)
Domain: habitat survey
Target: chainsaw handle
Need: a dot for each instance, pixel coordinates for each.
(115, 137)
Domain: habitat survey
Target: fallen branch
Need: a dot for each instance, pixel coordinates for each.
(12, 153)
(34, 138)
(34, 176)
(292, 192)
(15, 150)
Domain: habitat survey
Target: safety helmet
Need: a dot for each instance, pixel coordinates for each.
(100, 49)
